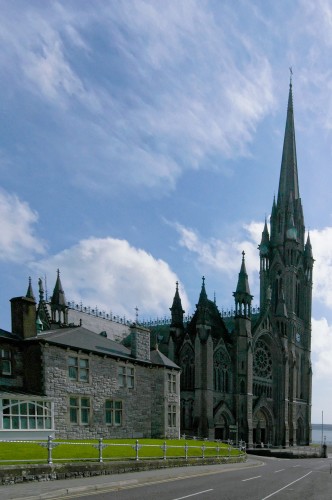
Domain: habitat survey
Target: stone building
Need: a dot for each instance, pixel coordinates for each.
(249, 376)
(73, 383)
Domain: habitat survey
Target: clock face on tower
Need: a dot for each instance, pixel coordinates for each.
(292, 233)
(264, 250)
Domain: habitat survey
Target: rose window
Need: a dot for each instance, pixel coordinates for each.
(262, 360)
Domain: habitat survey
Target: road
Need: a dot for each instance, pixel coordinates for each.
(257, 479)
(277, 479)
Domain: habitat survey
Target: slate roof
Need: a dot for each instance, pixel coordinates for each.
(8, 335)
(158, 358)
(83, 339)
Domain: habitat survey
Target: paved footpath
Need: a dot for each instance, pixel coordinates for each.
(60, 488)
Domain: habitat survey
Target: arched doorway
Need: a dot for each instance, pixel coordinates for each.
(262, 428)
(221, 429)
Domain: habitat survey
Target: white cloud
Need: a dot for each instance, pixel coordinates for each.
(18, 242)
(114, 276)
(321, 241)
(173, 93)
(321, 346)
(321, 349)
(224, 255)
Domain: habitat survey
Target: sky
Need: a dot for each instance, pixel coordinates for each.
(140, 144)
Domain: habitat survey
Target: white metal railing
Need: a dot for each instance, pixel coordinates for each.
(202, 450)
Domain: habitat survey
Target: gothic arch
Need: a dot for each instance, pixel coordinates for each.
(223, 419)
(222, 369)
(263, 425)
(267, 378)
(187, 364)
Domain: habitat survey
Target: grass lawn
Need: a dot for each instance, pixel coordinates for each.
(114, 449)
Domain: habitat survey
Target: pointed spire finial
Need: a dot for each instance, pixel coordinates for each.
(176, 309)
(290, 75)
(30, 293)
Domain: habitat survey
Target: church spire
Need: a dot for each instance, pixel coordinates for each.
(176, 310)
(59, 306)
(242, 295)
(288, 182)
(203, 295)
(203, 315)
(58, 297)
(243, 283)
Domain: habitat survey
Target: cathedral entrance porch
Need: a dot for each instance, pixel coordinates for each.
(262, 428)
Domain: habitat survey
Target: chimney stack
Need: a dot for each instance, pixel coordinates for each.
(140, 342)
(23, 310)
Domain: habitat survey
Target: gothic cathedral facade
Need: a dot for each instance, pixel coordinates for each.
(249, 377)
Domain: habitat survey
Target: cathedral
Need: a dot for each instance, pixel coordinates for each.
(240, 377)
(248, 377)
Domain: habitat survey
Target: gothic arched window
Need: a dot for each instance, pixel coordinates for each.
(221, 371)
(262, 368)
(187, 363)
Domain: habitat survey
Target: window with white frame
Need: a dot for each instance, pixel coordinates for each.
(5, 362)
(171, 415)
(113, 412)
(78, 368)
(171, 382)
(126, 377)
(22, 414)
(79, 410)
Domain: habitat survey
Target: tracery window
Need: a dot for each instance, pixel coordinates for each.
(262, 360)
(221, 371)
(187, 364)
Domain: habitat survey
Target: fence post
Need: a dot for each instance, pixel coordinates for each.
(164, 448)
(203, 450)
(49, 449)
(186, 450)
(137, 447)
(100, 450)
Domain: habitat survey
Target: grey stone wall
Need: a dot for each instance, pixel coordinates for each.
(140, 342)
(143, 406)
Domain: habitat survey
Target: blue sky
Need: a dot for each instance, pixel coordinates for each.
(140, 144)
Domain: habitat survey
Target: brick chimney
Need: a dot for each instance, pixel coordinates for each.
(23, 311)
(140, 342)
